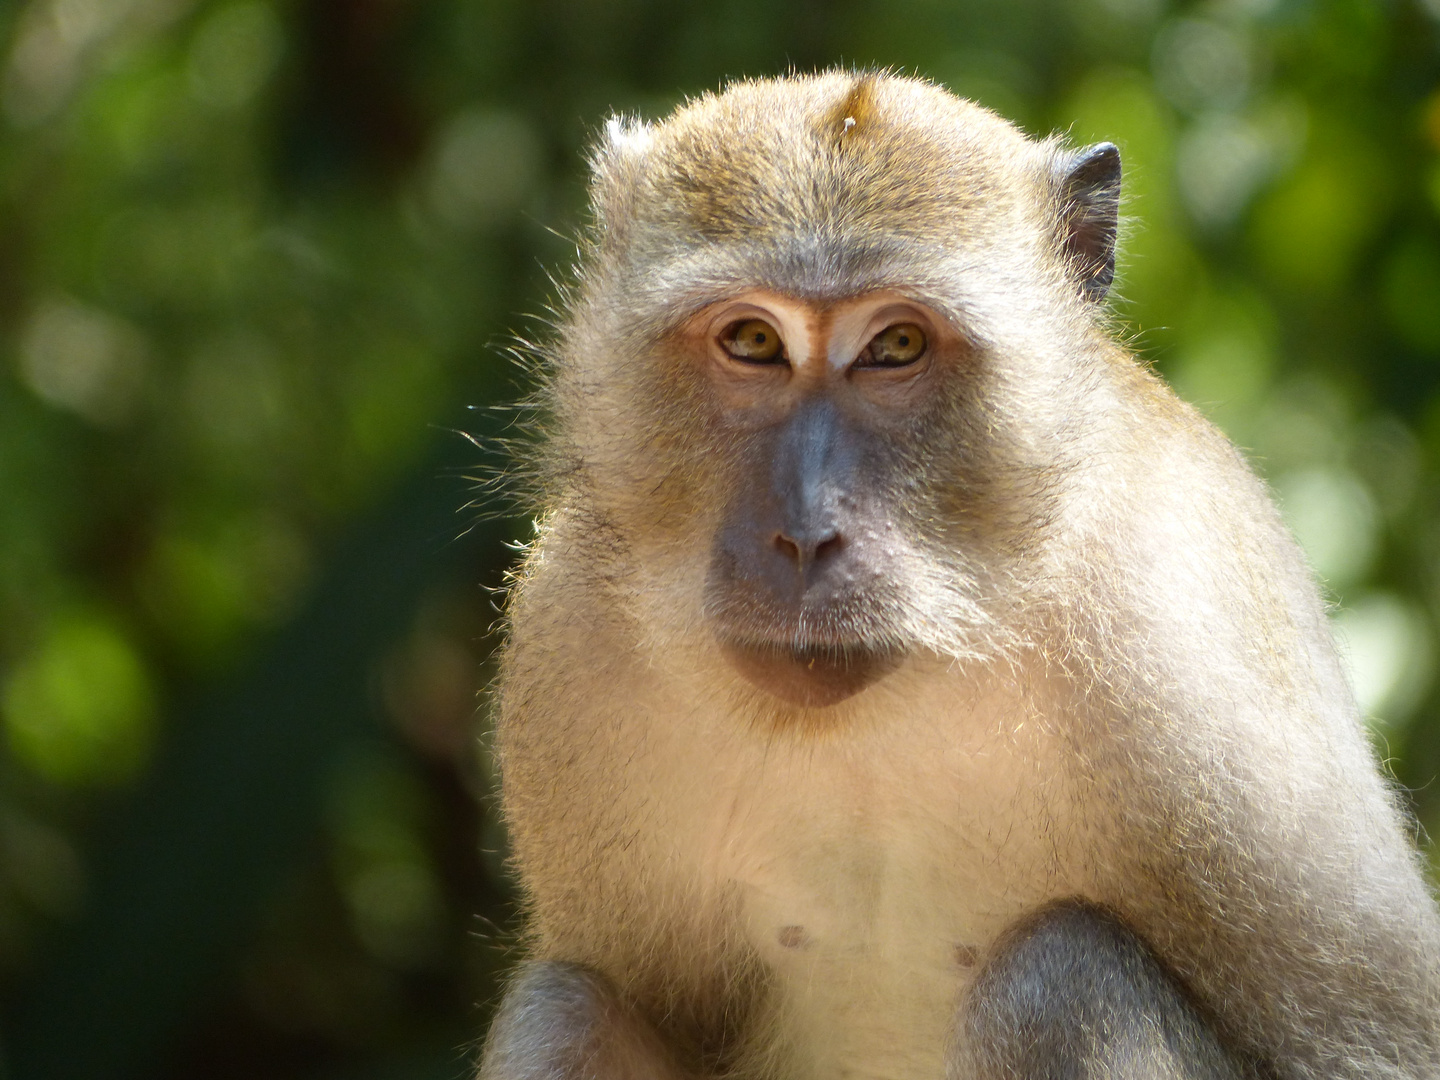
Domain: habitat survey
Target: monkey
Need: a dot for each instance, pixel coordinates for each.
(902, 681)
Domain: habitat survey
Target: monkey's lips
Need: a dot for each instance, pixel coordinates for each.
(812, 677)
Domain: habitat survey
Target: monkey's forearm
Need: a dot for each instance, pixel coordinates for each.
(562, 1022)
(1073, 992)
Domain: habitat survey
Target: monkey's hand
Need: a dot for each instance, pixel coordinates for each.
(562, 1022)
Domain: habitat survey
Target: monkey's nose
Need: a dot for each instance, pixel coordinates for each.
(806, 549)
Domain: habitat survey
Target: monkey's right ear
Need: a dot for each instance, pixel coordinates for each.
(1089, 199)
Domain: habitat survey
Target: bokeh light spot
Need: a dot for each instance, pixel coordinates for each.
(1225, 158)
(1226, 356)
(376, 813)
(1389, 650)
(41, 863)
(1308, 232)
(1333, 516)
(79, 709)
(205, 586)
(238, 403)
(84, 360)
(1199, 63)
(233, 54)
(484, 168)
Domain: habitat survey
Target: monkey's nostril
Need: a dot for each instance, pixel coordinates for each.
(789, 548)
(806, 550)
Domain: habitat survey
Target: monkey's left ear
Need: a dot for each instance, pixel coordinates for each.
(1089, 199)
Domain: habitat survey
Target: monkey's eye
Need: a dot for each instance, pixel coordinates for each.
(895, 346)
(754, 341)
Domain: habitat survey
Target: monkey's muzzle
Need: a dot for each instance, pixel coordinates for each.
(797, 583)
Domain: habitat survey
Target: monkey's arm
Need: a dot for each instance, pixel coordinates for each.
(1073, 993)
(562, 1022)
(1256, 845)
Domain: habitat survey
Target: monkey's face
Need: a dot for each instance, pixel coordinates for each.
(809, 583)
(828, 358)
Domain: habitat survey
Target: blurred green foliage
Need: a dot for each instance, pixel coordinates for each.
(256, 256)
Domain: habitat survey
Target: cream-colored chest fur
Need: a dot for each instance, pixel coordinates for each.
(870, 865)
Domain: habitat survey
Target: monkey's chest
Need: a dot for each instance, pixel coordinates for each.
(870, 946)
(871, 888)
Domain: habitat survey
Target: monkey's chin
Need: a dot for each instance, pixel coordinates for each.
(812, 678)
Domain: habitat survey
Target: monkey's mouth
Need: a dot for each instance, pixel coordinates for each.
(813, 676)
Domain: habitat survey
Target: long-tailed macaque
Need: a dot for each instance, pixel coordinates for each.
(903, 683)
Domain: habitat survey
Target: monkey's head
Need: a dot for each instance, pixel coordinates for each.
(822, 370)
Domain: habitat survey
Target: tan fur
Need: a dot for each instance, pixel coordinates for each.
(1119, 684)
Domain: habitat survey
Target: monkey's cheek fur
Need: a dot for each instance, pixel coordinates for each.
(811, 678)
